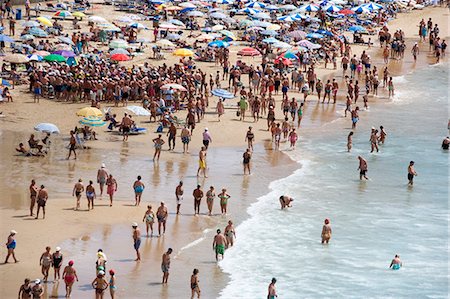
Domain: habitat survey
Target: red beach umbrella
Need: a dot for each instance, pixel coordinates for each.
(346, 12)
(120, 57)
(249, 52)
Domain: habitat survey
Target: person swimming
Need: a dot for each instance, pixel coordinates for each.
(396, 263)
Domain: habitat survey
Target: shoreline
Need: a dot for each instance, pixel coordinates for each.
(121, 219)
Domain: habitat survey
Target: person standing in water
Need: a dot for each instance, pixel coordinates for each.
(374, 141)
(210, 195)
(161, 215)
(90, 195)
(299, 114)
(69, 276)
(179, 191)
(411, 173)
(223, 196)
(165, 265)
(326, 232)
(350, 141)
(158, 143)
(57, 259)
(383, 135)
(272, 292)
(72, 145)
(11, 246)
(138, 187)
(136, 240)
(396, 263)
(293, 137)
(100, 285)
(185, 139)
(111, 184)
(195, 288)
(77, 191)
(149, 219)
(33, 193)
(219, 244)
(102, 176)
(202, 162)
(362, 168)
(246, 157)
(198, 195)
(230, 233)
(249, 137)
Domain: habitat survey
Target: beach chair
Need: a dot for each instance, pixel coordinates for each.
(80, 142)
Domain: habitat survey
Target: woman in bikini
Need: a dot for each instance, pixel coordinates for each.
(90, 195)
(100, 285)
(149, 219)
(111, 184)
(138, 188)
(210, 195)
(69, 276)
(230, 233)
(158, 143)
(112, 283)
(223, 200)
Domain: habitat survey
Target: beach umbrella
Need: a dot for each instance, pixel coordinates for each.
(256, 4)
(47, 128)
(309, 7)
(15, 58)
(92, 121)
(261, 23)
(55, 58)
(62, 47)
(225, 2)
(271, 7)
(245, 23)
(38, 32)
(372, 6)
(169, 26)
(222, 93)
(30, 24)
(137, 26)
(112, 28)
(274, 27)
(66, 40)
(269, 32)
(97, 19)
(138, 110)
(248, 52)
(61, 6)
(63, 14)
(6, 83)
(289, 18)
(217, 27)
(176, 22)
(361, 10)
(26, 37)
(118, 43)
(165, 44)
(297, 34)
(281, 45)
(288, 7)
(183, 52)
(314, 35)
(173, 37)
(173, 86)
(65, 53)
(136, 17)
(173, 8)
(187, 5)
(6, 39)
(34, 57)
(119, 51)
(41, 53)
(270, 40)
(78, 14)
(124, 19)
(283, 60)
(261, 15)
(218, 44)
(249, 10)
(44, 21)
(357, 28)
(195, 13)
(346, 12)
(298, 49)
(120, 57)
(332, 8)
(217, 15)
(89, 111)
(289, 55)
(228, 33)
(206, 36)
(309, 45)
(255, 29)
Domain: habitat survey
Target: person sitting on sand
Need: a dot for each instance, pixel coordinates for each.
(285, 201)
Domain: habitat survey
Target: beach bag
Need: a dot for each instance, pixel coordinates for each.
(238, 113)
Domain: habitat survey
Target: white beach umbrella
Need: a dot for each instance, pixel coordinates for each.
(47, 128)
(97, 19)
(138, 110)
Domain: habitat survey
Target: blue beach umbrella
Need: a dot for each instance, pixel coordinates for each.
(222, 93)
(270, 40)
(269, 32)
(361, 9)
(218, 44)
(256, 4)
(357, 28)
(271, 7)
(34, 57)
(287, 19)
(314, 35)
(372, 6)
(288, 7)
(261, 15)
(332, 8)
(6, 39)
(309, 7)
(249, 10)
(324, 32)
(217, 15)
(195, 13)
(38, 32)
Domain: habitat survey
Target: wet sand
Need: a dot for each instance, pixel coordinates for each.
(81, 233)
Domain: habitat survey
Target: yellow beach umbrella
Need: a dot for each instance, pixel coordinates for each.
(89, 111)
(45, 21)
(78, 14)
(183, 53)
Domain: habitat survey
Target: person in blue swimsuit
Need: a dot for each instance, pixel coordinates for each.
(138, 187)
(11, 245)
(396, 263)
(112, 283)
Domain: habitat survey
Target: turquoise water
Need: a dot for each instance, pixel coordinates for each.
(372, 221)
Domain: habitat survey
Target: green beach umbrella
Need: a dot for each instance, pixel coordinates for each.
(55, 58)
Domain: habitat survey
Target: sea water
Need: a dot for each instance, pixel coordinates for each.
(372, 221)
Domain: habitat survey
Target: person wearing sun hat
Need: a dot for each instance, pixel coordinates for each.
(69, 276)
(112, 283)
(37, 289)
(57, 259)
(11, 246)
(102, 176)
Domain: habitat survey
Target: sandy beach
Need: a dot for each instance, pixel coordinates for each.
(81, 233)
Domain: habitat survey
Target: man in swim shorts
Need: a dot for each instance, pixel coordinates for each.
(179, 195)
(219, 244)
(161, 215)
(102, 176)
(411, 173)
(198, 195)
(362, 168)
(272, 292)
(77, 190)
(396, 263)
(42, 198)
(136, 240)
(165, 265)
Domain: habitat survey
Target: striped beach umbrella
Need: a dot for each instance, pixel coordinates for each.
(222, 93)
(92, 121)
(256, 4)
